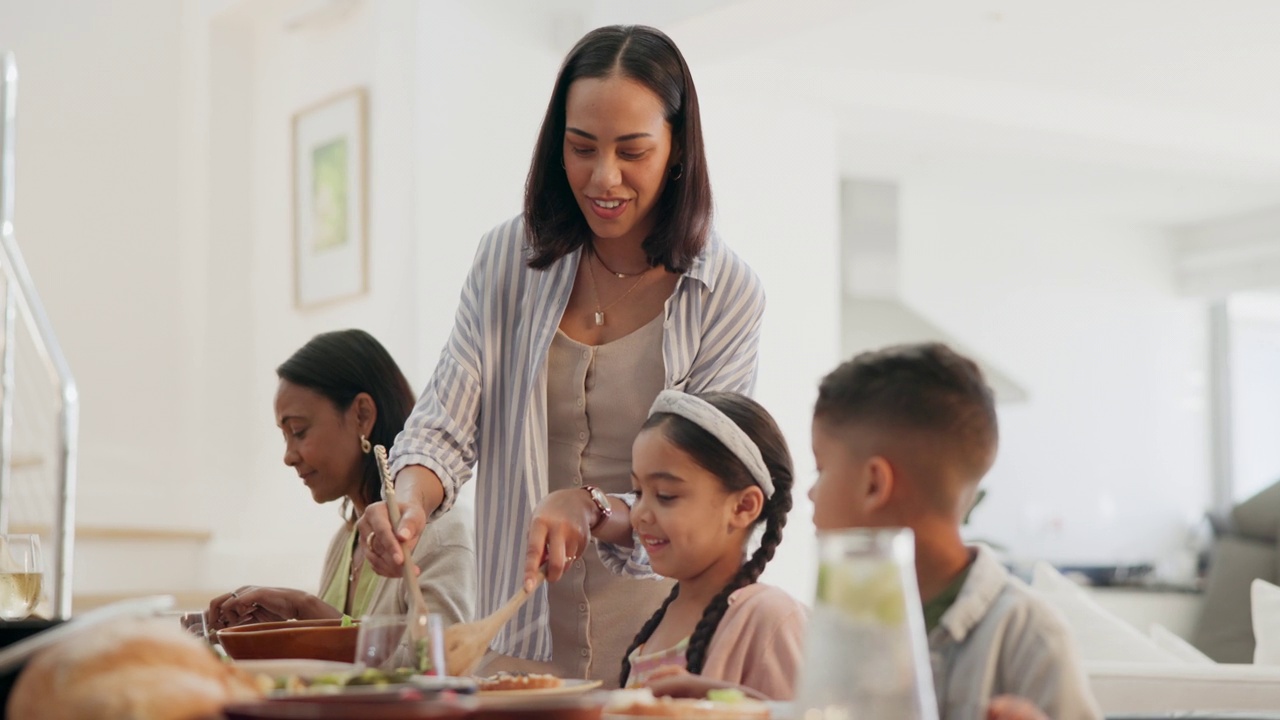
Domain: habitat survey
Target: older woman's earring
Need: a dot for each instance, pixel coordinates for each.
(365, 445)
(677, 171)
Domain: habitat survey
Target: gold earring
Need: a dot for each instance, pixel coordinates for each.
(365, 445)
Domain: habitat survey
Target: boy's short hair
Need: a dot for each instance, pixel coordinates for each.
(924, 389)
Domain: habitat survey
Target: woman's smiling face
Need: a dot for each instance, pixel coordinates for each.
(617, 152)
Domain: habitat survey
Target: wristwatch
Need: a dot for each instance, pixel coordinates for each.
(602, 504)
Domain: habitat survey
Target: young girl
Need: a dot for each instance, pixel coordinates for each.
(707, 469)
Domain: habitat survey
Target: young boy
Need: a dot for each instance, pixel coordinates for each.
(901, 438)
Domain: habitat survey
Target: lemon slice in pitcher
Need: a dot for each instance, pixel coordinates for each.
(863, 592)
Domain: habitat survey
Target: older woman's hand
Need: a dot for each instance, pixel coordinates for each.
(254, 604)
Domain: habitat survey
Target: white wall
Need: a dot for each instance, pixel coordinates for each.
(1107, 461)
(779, 209)
(98, 219)
(483, 80)
(279, 72)
(482, 83)
(456, 93)
(1255, 391)
(154, 210)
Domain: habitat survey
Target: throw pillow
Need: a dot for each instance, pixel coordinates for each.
(1259, 516)
(1100, 635)
(1265, 608)
(1225, 630)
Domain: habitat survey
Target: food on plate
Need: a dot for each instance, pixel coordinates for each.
(518, 681)
(334, 682)
(142, 669)
(721, 705)
(374, 676)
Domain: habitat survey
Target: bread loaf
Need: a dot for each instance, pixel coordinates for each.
(138, 669)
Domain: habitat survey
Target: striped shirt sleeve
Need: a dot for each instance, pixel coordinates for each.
(729, 352)
(632, 561)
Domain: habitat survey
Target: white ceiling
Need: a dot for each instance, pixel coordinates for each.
(1151, 111)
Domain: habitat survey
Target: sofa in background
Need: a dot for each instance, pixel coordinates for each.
(1244, 549)
(1139, 669)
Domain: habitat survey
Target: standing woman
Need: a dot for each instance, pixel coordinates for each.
(609, 288)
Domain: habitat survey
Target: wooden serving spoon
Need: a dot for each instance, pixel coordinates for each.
(465, 643)
(418, 611)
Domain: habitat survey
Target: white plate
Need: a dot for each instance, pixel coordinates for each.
(777, 711)
(425, 683)
(305, 669)
(21, 651)
(439, 683)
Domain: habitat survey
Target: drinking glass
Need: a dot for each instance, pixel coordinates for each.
(192, 621)
(866, 653)
(384, 642)
(21, 578)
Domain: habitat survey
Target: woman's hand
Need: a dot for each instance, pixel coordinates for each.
(418, 493)
(558, 533)
(563, 524)
(1008, 707)
(254, 604)
(675, 681)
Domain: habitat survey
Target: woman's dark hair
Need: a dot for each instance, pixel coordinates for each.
(342, 364)
(553, 220)
(715, 458)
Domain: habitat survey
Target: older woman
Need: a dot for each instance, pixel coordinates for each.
(339, 395)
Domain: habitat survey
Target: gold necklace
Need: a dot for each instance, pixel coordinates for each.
(595, 290)
(620, 276)
(351, 569)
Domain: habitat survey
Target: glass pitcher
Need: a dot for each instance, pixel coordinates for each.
(866, 653)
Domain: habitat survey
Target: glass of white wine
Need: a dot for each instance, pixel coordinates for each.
(20, 575)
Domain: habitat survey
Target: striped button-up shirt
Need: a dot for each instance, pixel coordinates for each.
(486, 403)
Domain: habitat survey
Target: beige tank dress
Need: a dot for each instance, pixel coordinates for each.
(597, 399)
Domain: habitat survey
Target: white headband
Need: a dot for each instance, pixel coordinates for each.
(709, 418)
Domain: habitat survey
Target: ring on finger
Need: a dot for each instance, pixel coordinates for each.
(235, 594)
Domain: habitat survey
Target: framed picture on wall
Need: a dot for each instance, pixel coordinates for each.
(330, 193)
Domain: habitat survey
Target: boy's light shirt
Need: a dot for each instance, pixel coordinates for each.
(1000, 638)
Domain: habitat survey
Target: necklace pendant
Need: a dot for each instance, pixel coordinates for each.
(599, 317)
